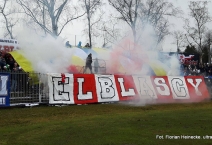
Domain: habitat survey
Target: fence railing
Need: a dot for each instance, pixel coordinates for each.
(99, 69)
(27, 87)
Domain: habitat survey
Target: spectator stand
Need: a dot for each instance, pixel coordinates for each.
(32, 87)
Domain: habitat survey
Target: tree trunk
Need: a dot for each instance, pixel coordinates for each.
(89, 30)
(44, 20)
(134, 36)
(54, 28)
(201, 57)
(209, 55)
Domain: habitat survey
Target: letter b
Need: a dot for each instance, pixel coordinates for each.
(107, 90)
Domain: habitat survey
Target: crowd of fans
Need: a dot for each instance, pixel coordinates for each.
(196, 69)
(200, 69)
(68, 45)
(7, 63)
(18, 79)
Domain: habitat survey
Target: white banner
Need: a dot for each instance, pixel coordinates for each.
(106, 88)
(8, 44)
(144, 87)
(90, 88)
(61, 93)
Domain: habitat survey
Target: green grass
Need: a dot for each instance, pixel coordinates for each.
(105, 124)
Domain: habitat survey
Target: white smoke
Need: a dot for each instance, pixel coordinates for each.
(147, 50)
(46, 54)
(49, 55)
(174, 67)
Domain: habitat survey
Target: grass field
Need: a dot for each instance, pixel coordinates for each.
(106, 124)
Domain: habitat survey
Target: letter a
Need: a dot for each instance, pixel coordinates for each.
(145, 89)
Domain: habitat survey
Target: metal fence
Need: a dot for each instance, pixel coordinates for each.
(100, 69)
(32, 88)
(28, 88)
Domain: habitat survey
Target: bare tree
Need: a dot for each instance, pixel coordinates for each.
(50, 15)
(94, 30)
(195, 34)
(208, 43)
(9, 21)
(91, 7)
(128, 10)
(109, 31)
(156, 14)
(139, 14)
(179, 39)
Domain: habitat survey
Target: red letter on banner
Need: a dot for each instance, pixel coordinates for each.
(197, 88)
(84, 89)
(126, 87)
(162, 89)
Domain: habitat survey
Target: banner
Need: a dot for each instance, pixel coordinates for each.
(91, 88)
(188, 59)
(61, 93)
(184, 58)
(22, 61)
(4, 89)
(8, 45)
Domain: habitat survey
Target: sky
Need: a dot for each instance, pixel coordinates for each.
(167, 45)
(178, 23)
(73, 31)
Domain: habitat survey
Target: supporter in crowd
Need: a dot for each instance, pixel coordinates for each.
(186, 72)
(201, 68)
(68, 45)
(96, 65)
(14, 77)
(11, 62)
(88, 63)
(195, 71)
(7, 58)
(2, 62)
(79, 45)
(210, 72)
(7, 68)
(87, 45)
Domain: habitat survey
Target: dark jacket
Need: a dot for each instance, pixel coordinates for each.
(89, 60)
